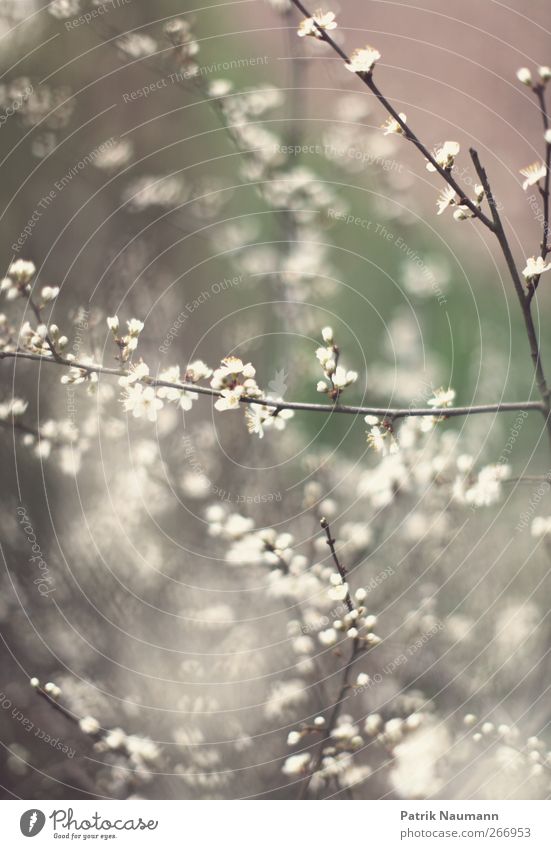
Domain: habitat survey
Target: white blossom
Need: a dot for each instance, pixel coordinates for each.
(392, 126)
(445, 156)
(296, 764)
(524, 75)
(142, 402)
(319, 20)
(533, 174)
(362, 60)
(534, 267)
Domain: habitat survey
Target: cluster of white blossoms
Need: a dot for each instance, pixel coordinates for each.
(320, 20)
(40, 339)
(381, 436)
(186, 47)
(234, 379)
(337, 378)
(131, 752)
(480, 490)
(339, 760)
(524, 75)
(12, 408)
(128, 343)
(355, 623)
(18, 281)
(512, 753)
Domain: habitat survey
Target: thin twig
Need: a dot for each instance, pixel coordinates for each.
(523, 298)
(545, 191)
(340, 568)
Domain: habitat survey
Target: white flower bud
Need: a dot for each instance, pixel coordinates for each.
(327, 335)
(545, 73)
(113, 323)
(524, 76)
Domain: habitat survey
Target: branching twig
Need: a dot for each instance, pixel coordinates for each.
(494, 224)
(357, 649)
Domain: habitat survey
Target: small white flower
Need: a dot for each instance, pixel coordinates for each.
(293, 738)
(533, 173)
(547, 136)
(534, 267)
(373, 724)
(142, 401)
(545, 73)
(52, 690)
(339, 592)
(446, 199)
(135, 326)
(363, 679)
(327, 335)
(256, 416)
(445, 156)
(89, 725)
(541, 526)
(391, 125)
(524, 76)
(325, 356)
(324, 20)
(198, 370)
(442, 398)
(363, 60)
(136, 373)
(328, 637)
(230, 399)
(22, 270)
(113, 323)
(49, 293)
(296, 764)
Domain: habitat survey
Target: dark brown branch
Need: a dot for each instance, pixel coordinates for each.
(545, 191)
(523, 298)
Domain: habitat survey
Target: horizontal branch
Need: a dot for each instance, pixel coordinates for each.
(389, 413)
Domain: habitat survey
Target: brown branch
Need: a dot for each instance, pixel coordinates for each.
(390, 413)
(340, 568)
(545, 191)
(523, 298)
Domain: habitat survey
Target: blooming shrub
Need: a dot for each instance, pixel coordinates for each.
(263, 609)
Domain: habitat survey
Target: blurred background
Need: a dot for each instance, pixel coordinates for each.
(207, 172)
